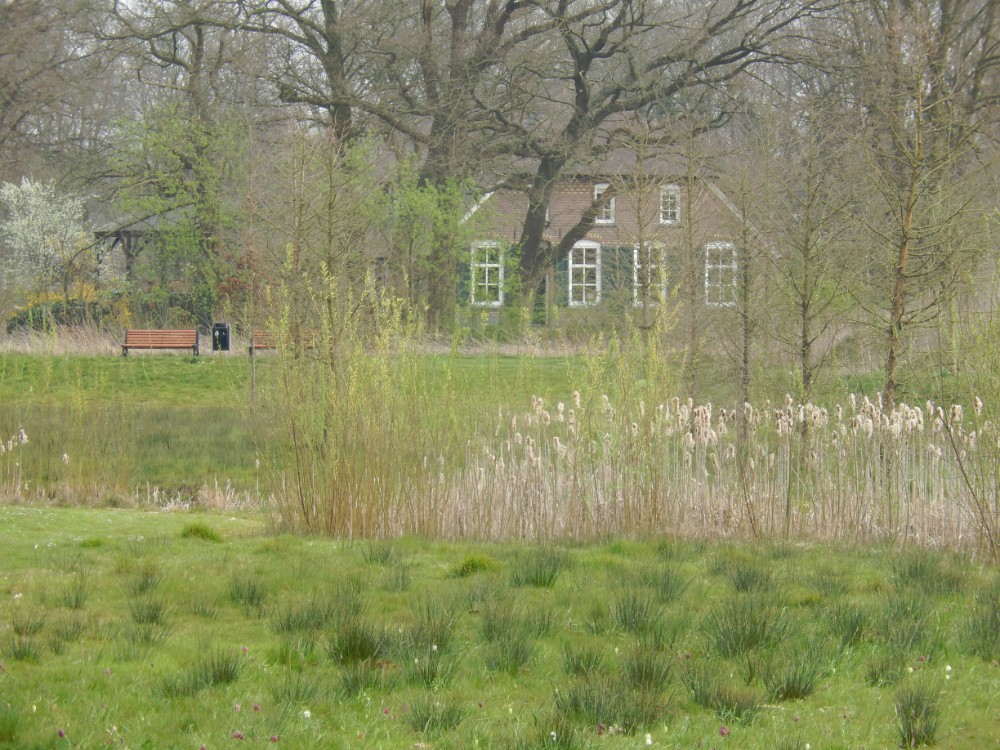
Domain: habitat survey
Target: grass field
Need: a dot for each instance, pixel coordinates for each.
(125, 628)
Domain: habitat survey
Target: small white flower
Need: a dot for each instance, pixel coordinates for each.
(434, 647)
(307, 714)
(649, 739)
(552, 736)
(808, 746)
(65, 458)
(947, 668)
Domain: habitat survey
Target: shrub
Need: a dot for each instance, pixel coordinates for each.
(200, 531)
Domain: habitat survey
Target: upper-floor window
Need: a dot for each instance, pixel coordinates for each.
(584, 274)
(720, 273)
(607, 213)
(486, 275)
(670, 204)
(649, 275)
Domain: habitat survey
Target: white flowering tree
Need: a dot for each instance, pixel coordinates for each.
(46, 236)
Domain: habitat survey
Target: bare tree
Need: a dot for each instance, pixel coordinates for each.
(925, 110)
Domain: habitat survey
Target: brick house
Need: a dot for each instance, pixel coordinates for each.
(650, 236)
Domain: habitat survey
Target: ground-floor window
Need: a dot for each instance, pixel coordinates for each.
(720, 273)
(486, 275)
(585, 274)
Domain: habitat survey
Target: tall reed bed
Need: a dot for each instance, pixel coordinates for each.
(360, 444)
(859, 473)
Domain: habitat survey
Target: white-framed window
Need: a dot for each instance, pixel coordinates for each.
(720, 274)
(585, 274)
(486, 275)
(670, 204)
(607, 214)
(649, 280)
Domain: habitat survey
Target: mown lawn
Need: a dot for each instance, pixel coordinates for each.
(124, 628)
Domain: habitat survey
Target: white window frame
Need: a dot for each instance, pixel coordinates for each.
(670, 204)
(578, 266)
(720, 262)
(657, 284)
(486, 262)
(607, 213)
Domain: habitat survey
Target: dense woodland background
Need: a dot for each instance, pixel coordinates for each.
(235, 148)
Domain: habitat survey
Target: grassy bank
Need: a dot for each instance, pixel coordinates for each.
(178, 630)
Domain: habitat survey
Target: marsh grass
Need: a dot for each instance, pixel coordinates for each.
(149, 610)
(398, 577)
(141, 578)
(201, 531)
(669, 680)
(379, 553)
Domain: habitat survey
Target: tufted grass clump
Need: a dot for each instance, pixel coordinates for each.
(471, 565)
(539, 568)
(26, 623)
(432, 715)
(794, 673)
(667, 582)
(750, 577)
(22, 648)
(367, 677)
(76, 592)
(379, 553)
(604, 700)
(294, 687)
(745, 623)
(431, 668)
(917, 714)
(142, 578)
(433, 623)
(10, 722)
(846, 623)
(248, 591)
(303, 616)
(355, 640)
(509, 652)
(645, 669)
(904, 625)
(927, 572)
(216, 667)
(149, 610)
(715, 690)
(980, 631)
(201, 531)
(634, 611)
(582, 660)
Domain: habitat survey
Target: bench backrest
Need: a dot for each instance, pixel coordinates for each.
(162, 339)
(262, 339)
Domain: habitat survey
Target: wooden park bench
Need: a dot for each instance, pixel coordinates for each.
(169, 339)
(261, 339)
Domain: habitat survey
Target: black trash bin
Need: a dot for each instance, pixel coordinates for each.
(220, 337)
